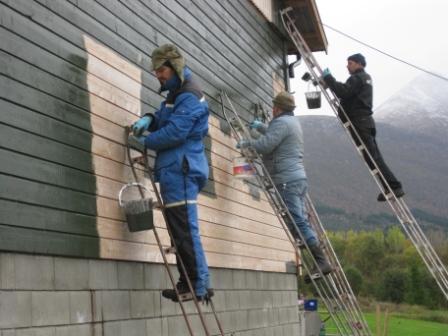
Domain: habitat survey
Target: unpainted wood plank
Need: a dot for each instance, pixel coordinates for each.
(55, 243)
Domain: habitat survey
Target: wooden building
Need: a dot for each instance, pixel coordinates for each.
(73, 74)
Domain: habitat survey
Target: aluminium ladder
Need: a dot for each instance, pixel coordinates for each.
(143, 160)
(333, 288)
(399, 207)
(339, 280)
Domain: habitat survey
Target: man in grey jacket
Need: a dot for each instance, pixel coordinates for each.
(281, 145)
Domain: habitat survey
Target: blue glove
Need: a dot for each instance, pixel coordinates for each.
(243, 144)
(141, 125)
(326, 72)
(255, 124)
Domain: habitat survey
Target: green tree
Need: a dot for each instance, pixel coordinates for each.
(393, 285)
(354, 277)
(416, 289)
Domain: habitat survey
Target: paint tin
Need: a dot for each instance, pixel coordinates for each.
(242, 168)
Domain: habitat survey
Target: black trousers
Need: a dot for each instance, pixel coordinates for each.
(368, 137)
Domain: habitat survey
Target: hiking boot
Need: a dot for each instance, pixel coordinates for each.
(322, 263)
(397, 192)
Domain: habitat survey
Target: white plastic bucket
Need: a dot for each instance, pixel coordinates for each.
(242, 168)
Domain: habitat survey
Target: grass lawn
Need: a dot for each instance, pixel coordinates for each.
(399, 326)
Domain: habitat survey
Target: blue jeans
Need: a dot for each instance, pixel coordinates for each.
(293, 194)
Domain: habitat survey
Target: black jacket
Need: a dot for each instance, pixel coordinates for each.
(356, 96)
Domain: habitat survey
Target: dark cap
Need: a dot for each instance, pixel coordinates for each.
(358, 58)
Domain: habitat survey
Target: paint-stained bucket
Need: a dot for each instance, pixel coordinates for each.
(139, 215)
(313, 100)
(242, 168)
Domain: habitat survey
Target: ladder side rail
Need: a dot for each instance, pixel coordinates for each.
(430, 247)
(410, 232)
(425, 249)
(429, 256)
(376, 173)
(341, 281)
(179, 259)
(277, 201)
(159, 243)
(250, 154)
(338, 275)
(333, 101)
(337, 279)
(340, 272)
(325, 292)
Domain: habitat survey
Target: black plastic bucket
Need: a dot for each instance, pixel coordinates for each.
(313, 99)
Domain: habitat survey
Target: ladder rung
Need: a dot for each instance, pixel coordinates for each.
(375, 171)
(389, 195)
(185, 297)
(361, 147)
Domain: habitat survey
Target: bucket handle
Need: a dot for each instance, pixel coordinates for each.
(126, 186)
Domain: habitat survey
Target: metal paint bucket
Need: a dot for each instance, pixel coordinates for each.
(313, 99)
(242, 168)
(139, 215)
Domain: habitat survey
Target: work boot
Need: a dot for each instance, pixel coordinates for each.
(321, 261)
(185, 294)
(183, 290)
(398, 193)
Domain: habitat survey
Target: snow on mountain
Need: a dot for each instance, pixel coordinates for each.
(421, 106)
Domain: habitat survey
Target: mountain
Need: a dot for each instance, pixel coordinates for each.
(412, 136)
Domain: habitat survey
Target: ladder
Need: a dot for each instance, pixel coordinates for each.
(333, 288)
(142, 159)
(399, 207)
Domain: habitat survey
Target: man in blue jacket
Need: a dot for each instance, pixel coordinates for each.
(281, 145)
(177, 132)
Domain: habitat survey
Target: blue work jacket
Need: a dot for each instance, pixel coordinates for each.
(178, 130)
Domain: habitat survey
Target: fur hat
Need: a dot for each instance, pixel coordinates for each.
(285, 101)
(168, 53)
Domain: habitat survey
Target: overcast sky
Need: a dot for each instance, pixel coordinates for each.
(412, 30)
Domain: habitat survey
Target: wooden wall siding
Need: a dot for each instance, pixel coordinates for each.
(73, 73)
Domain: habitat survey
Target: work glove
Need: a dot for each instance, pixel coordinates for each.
(142, 125)
(256, 124)
(243, 144)
(326, 72)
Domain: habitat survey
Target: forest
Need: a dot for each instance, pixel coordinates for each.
(385, 266)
